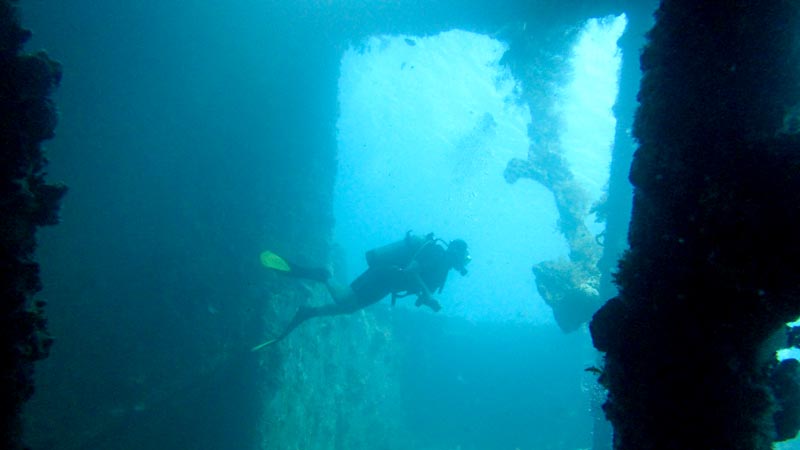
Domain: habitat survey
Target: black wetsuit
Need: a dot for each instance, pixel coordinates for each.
(381, 280)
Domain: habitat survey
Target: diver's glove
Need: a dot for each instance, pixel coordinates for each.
(431, 302)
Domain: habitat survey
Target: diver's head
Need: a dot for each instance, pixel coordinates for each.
(458, 255)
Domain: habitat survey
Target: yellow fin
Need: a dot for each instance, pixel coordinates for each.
(272, 261)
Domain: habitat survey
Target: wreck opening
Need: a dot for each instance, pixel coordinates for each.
(427, 127)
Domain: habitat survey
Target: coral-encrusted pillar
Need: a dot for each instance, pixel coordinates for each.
(27, 117)
(713, 269)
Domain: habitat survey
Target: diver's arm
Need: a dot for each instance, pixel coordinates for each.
(430, 302)
(412, 272)
(424, 297)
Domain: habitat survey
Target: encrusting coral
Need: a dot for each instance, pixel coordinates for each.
(27, 117)
(711, 274)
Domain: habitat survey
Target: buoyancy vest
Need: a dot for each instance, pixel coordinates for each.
(400, 253)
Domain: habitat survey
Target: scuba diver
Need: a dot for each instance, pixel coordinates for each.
(415, 265)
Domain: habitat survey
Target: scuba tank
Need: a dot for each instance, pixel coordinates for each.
(399, 253)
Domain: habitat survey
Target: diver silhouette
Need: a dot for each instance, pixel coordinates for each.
(415, 265)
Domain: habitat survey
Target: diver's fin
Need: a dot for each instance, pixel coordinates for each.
(303, 313)
(272, 261)
(265, 344)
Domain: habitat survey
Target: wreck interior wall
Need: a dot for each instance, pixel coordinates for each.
(711, 273)
(27, 119)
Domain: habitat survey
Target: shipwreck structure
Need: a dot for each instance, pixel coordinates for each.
(27, 202)
(711, 276)
(705, 289)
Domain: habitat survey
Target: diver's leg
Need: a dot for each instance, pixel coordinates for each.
(343, 305)
(303, 313)
(309, 273)
(368, 288)
(339, 293)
